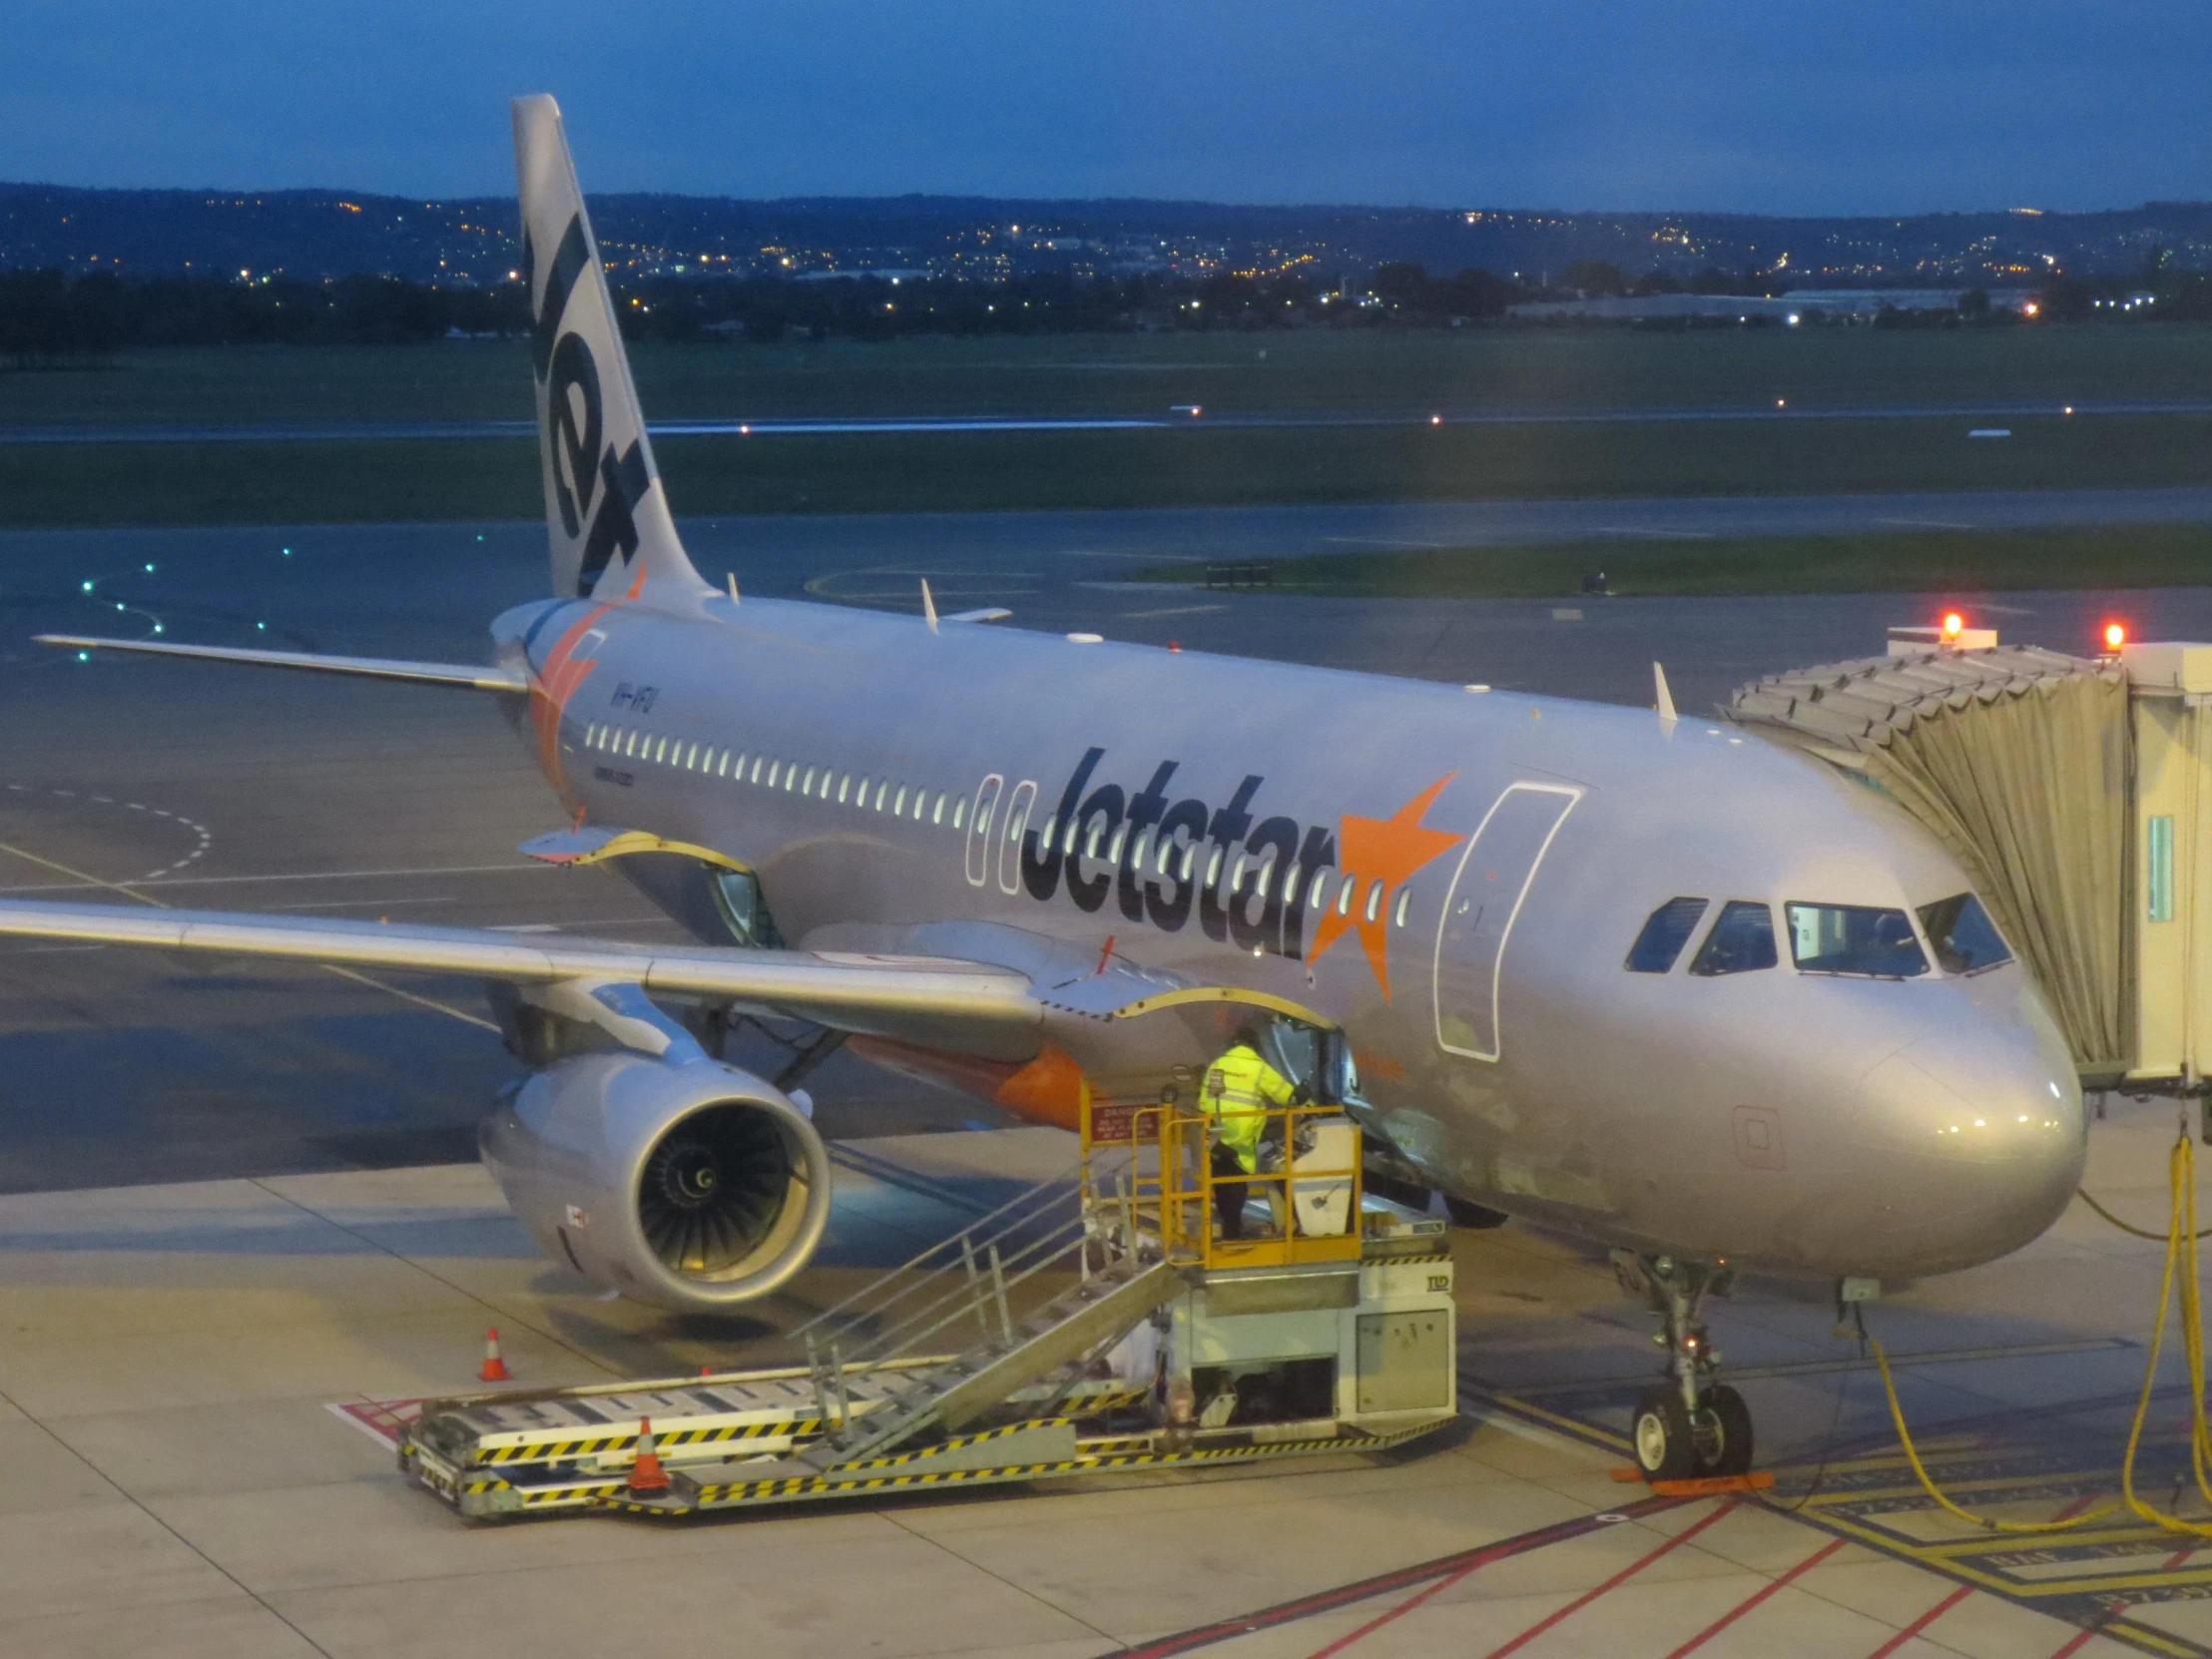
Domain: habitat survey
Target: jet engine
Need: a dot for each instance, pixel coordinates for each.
(695, 1187)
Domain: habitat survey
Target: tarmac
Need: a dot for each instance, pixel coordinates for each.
(236, 1198)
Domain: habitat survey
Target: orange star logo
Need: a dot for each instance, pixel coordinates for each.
(1386, 849)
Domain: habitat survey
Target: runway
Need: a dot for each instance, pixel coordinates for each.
(1189, 417)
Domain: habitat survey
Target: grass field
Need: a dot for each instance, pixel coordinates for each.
(367, 481)
(1954, 562)
(1404, 375)
(1312, 371)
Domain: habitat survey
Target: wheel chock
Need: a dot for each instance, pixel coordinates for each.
(1716, 1485)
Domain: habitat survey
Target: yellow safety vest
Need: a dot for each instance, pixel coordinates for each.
(1239, 1087)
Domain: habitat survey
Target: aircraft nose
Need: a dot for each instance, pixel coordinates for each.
(1990, 1121)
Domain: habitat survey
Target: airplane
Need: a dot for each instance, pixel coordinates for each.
(1642, 981)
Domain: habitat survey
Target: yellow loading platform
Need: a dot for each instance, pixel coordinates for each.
(1092, 1324)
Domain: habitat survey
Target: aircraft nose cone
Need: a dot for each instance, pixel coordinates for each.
(1989, 1123)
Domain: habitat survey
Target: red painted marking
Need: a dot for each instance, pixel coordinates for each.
(2075, 1507)
(2177, 1558)
(1615, 1582)
(1922, 1622)
(385, 1418)
(1726, 1619)
(1345, 1595)
(2074, 1646)
(1104, 956)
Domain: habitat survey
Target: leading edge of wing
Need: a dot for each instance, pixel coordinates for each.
(461, 674)
(854, 992)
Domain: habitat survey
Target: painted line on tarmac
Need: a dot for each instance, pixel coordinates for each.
(1922, 1622)
(1346, 1595)
(1552, 1620)
(1773, 1587)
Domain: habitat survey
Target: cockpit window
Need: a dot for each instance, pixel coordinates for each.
(1854, 938)
(1664, 935)
(1741, 942)
(1965, 940)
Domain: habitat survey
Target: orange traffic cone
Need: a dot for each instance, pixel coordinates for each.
(647, 1474)
(495, 1368)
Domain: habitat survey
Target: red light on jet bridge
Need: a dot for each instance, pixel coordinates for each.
(2115, 635)
(1953, 624)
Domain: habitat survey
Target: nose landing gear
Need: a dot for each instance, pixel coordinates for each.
(1688, 1427)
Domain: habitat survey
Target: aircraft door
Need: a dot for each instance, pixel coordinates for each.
(1009, 844)
(980, 817)
(1486, 893)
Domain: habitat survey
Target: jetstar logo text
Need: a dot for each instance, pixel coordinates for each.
(592, 484)
(1258, 883)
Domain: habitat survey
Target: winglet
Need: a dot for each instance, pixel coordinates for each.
(929, 606)
(1666, 697)
(733, 576)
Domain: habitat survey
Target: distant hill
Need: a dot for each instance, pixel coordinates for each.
(317, 234)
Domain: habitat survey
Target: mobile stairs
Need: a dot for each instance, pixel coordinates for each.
(1092, 1322)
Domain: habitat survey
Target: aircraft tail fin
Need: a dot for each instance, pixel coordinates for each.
(606, 514)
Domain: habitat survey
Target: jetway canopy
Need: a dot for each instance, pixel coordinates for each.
(2024, 762)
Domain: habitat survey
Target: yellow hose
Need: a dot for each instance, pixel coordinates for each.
(2181, 1242)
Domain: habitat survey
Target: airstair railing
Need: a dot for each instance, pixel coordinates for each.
(963, 1288)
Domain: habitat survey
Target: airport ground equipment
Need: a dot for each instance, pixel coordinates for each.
(2078, 793)
(1092, 1322)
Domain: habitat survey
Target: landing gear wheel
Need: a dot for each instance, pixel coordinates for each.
(1660, 1432)
(1723, 1431)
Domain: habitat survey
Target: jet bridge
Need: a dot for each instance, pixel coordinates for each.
(2075, 790)
(1092, 1322)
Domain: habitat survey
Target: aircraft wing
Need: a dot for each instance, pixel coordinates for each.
(465, 676)
(983, 1009)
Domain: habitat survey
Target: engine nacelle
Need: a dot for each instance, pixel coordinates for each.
(693, 1187)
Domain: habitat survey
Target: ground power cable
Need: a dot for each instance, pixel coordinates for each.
(2181, 1239)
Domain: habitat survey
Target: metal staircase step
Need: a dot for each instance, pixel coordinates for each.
(1072, 1325)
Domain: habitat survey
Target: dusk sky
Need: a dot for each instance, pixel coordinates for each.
(1772, 105)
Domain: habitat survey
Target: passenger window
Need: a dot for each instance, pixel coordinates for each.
(898, 802)
(1965, 940)
(1375, 899)
(938, 816)
(1742, 941)
(1235, 876)
(959, 810)
(1318, 897)
(790, 776)
(1404, 907)
(922, 805)
(1344, 895)
(845, 788)
(1665, 932)
(1854, 938)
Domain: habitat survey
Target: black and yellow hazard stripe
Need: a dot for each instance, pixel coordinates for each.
(881, 1474)
(558, 1451)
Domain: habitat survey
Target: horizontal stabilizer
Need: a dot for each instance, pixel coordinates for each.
(989, 613)
(463, 675)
